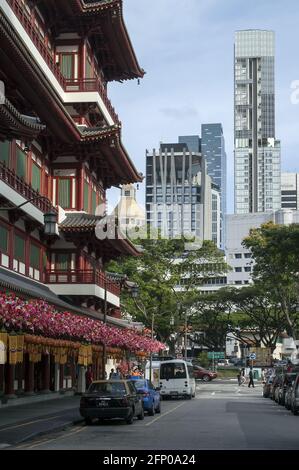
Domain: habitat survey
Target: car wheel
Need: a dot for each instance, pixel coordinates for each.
(158, 409)
(88, 421)
(141, 415)
(206, 378)
(130, 419)
(151, 412)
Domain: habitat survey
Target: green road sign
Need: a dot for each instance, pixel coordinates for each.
(215, 355)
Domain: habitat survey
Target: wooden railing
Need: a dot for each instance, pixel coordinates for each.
(24, 189)
(68, 85)
(91, 84)
(77, 276)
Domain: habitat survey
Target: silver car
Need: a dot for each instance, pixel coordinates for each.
(295, 396)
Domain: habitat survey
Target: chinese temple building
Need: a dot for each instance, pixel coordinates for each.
(60, 150)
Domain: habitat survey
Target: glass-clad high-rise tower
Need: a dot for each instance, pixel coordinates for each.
(257, 152)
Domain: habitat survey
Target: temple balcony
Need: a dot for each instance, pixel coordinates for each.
(70, 91)
(83, 283)
(14, 191)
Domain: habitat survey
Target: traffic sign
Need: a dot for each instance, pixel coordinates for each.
(252, 356)
(215, 355)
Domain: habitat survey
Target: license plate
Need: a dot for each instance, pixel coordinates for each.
(102, 404)
(173, 393)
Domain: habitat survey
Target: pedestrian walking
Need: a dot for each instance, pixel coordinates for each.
(251, 378)
(239, 377)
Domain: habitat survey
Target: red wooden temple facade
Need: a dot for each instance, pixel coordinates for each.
(60, 138)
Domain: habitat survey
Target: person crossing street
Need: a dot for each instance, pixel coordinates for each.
(251, 378)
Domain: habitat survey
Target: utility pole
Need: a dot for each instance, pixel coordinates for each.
(105, 321)
(186, 336)
(151, 356)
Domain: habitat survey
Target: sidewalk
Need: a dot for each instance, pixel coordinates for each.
(21, 422)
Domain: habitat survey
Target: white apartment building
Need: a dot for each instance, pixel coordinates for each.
(290, 191)
(237, 228)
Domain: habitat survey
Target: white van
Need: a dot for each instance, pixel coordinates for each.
(176, 379)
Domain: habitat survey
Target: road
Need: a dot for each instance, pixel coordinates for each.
(222, 416)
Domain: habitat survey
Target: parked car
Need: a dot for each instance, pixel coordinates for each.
(203, 374)
(111, 399)
(277, 387)
(267, 387)
(288, 396)
(273, 386)
(294, 401)
(284, 386)
(223, 362)
(150, 395)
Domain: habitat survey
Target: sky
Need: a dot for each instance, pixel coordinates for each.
(186, 49)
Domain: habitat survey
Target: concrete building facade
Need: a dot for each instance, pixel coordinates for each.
(257, 151)
(180, 196)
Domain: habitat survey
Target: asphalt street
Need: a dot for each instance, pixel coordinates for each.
(223, 416)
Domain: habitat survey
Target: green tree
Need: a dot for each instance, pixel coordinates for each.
(257, 317)
(168, 276)
(275, 249)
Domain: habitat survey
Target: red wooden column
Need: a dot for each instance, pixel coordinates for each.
(29, 376)
(1, 379)
(45, 373)
(61, 377)
(73, 374)
(20, 375)
(9, 380)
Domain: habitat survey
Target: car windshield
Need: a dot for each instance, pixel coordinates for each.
(140, 384)
(108, 388)
(175, 370)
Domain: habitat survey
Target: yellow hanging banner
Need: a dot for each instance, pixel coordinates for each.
(3, 347)
(20, 352)
(13, 349)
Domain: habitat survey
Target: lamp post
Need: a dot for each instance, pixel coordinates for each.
(151, 356)
(186, 335)
(50, 218)
(134, 289)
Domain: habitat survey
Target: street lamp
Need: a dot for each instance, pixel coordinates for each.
(133, 288)
(50, 223)
(50, 218)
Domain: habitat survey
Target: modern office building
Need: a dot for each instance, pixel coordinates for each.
(180, 196)
(290, 191)
(192, 141)
(213, 150)
(257, 152)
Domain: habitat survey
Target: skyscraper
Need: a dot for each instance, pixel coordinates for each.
(181, 198)
(257, 152)
(213, 150)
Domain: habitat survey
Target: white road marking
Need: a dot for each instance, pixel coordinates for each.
(164, 414)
